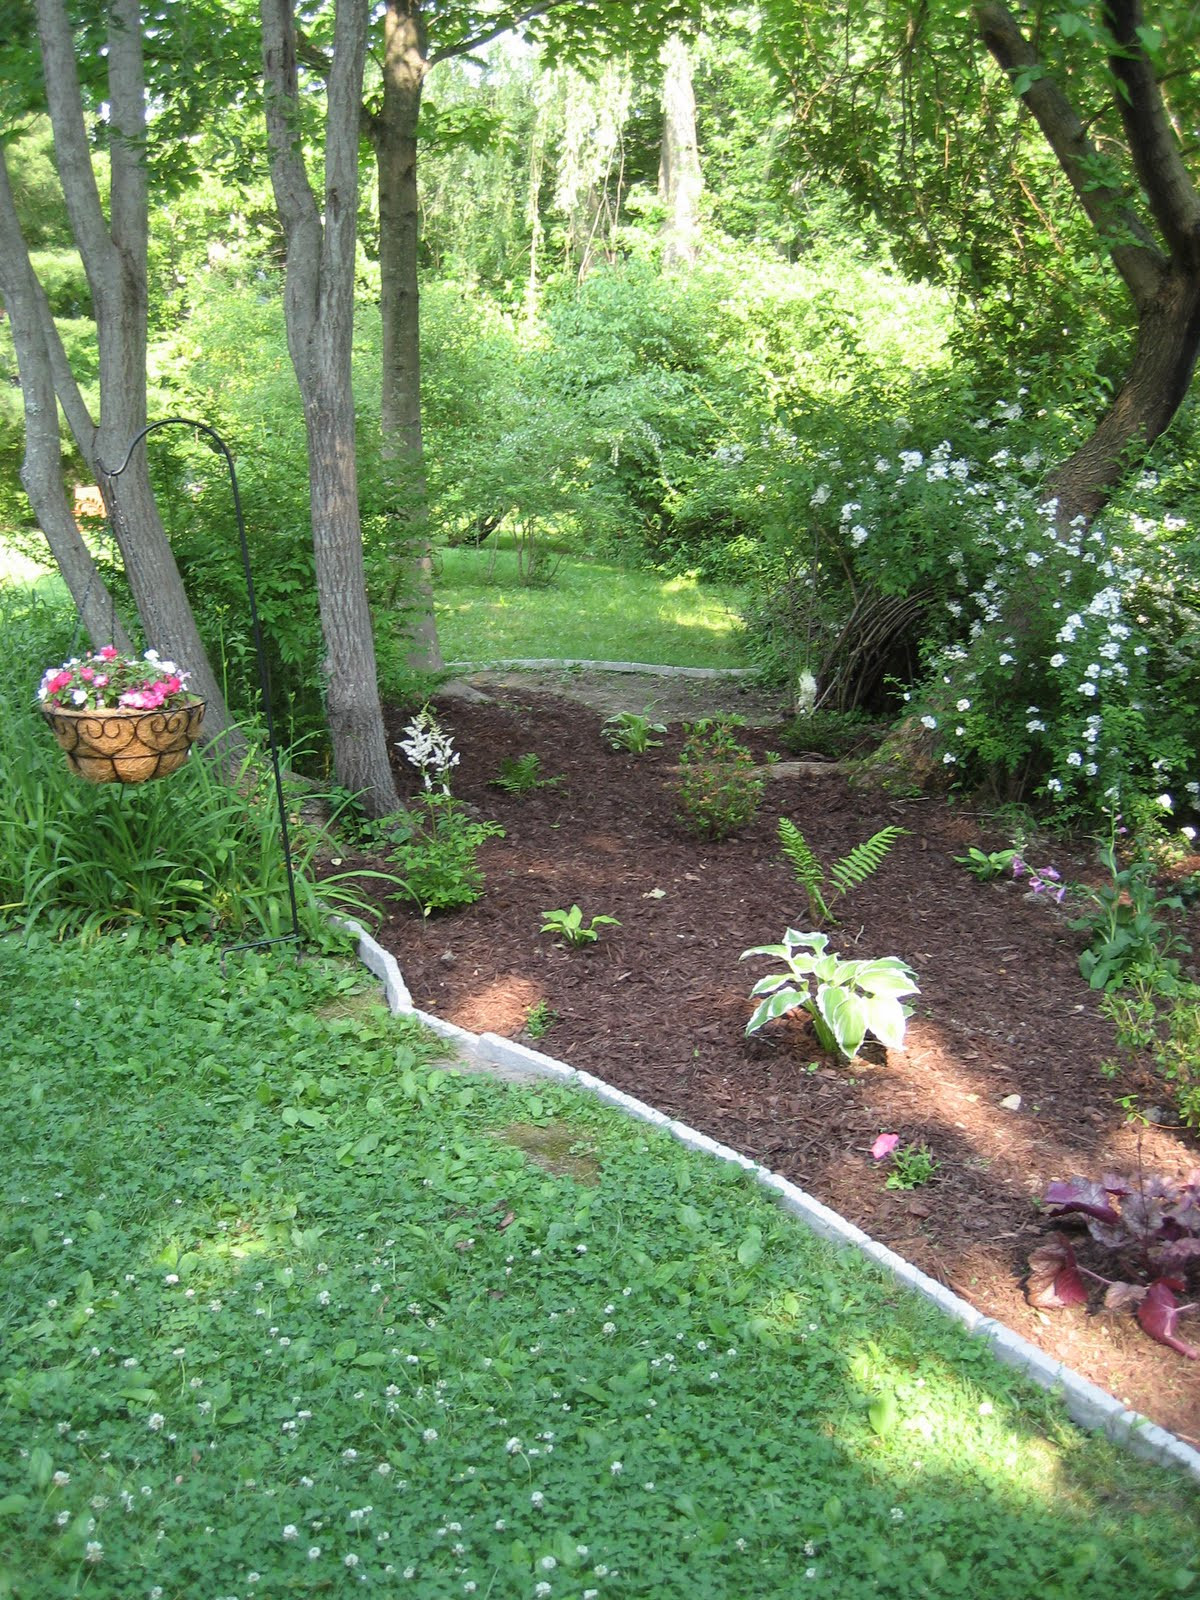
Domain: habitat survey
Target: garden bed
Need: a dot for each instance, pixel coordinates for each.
(658, 1007)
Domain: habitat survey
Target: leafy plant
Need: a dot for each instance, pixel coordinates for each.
(1125, 922)
(539, 1019)
(519, 775)
(988, 864)
(821, 885)
(720, 790)
(1155, 1011)
(434, 849)
(104, 679)
(569, 925)
(845, 999)
(631, 730)
(912, 1166)
(1151, 1224)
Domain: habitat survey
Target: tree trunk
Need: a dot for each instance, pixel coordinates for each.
(319, 307)
(42, 467)
(680, 181)
(1164, 360)
(114, 258)
(1161, 271)
(393, 133)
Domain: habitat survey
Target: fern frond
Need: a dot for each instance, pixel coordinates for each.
(864, 859)
(810, 874)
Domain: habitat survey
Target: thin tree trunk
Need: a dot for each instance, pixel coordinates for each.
(393, 133)
(680, 180)
(42, 467)
(114, 256)
(319, 306)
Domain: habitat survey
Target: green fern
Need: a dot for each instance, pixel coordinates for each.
(843, 875)
(864, 859)
(810, 874)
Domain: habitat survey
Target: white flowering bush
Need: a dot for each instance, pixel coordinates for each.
(1058, 663)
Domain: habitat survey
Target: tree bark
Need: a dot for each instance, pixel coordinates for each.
(114, 256)
(680, 180)
(42, 467)
(393, 135)
(319, 308)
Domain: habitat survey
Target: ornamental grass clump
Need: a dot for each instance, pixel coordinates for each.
(105, 680)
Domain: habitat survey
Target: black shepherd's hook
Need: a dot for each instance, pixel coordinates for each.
(263, 676)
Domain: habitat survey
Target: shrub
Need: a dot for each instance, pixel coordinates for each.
(720, 790)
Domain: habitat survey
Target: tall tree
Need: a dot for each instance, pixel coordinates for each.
(680, 179)
(904, 104)
(319, 304)
(113, 249)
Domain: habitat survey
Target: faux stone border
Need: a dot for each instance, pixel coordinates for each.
(1086, 1403)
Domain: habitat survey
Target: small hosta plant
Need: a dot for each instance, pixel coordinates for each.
(631, 730)
(1151, 1224)
(845, 999)
(569, 925)
(987, 864)
(822, 885)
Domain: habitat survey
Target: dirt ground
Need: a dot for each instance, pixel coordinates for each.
(1000, 1076)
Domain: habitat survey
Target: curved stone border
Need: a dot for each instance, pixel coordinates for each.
(549, 664)
(1087, 1404)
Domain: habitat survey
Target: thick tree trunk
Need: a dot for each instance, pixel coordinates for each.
(319, 305)
(1164, 360)
(1161, 271)
(680, 180)
(393, 133)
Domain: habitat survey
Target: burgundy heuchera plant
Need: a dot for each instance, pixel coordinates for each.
(1152, 1224)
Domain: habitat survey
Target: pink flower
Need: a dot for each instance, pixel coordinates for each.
(884, 1145)
(108, 652)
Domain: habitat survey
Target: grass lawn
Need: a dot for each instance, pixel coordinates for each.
(590, 611)
(288, 1309)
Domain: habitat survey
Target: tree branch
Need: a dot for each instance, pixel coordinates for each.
(1130, 244)
(71, 153)
(1155, 149)
(464, 47)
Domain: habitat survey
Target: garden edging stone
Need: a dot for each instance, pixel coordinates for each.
(1086, 1403)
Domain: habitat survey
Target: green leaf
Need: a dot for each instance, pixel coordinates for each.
(749, 1252)
(884, 1413)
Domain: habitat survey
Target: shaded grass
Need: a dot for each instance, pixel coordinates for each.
(283, 1312)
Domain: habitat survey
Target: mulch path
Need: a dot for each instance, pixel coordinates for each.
(658, 1007)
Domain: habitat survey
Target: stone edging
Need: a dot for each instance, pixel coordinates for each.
(1086, 1403)
(550, 664)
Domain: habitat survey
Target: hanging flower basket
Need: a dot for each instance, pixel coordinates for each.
(121, 719)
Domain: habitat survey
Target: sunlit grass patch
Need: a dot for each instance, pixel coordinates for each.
(590, 611)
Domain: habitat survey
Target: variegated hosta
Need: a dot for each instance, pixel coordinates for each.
(846, 999)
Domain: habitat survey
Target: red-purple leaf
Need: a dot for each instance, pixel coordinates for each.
(1175, 1255)
(1159, 1315)
(1054, 1280)
(1082, 1194)
(1123, 1294)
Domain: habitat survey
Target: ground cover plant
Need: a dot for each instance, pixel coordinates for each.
(288, 1307)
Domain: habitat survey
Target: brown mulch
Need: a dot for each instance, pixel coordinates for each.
(658, 1007)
